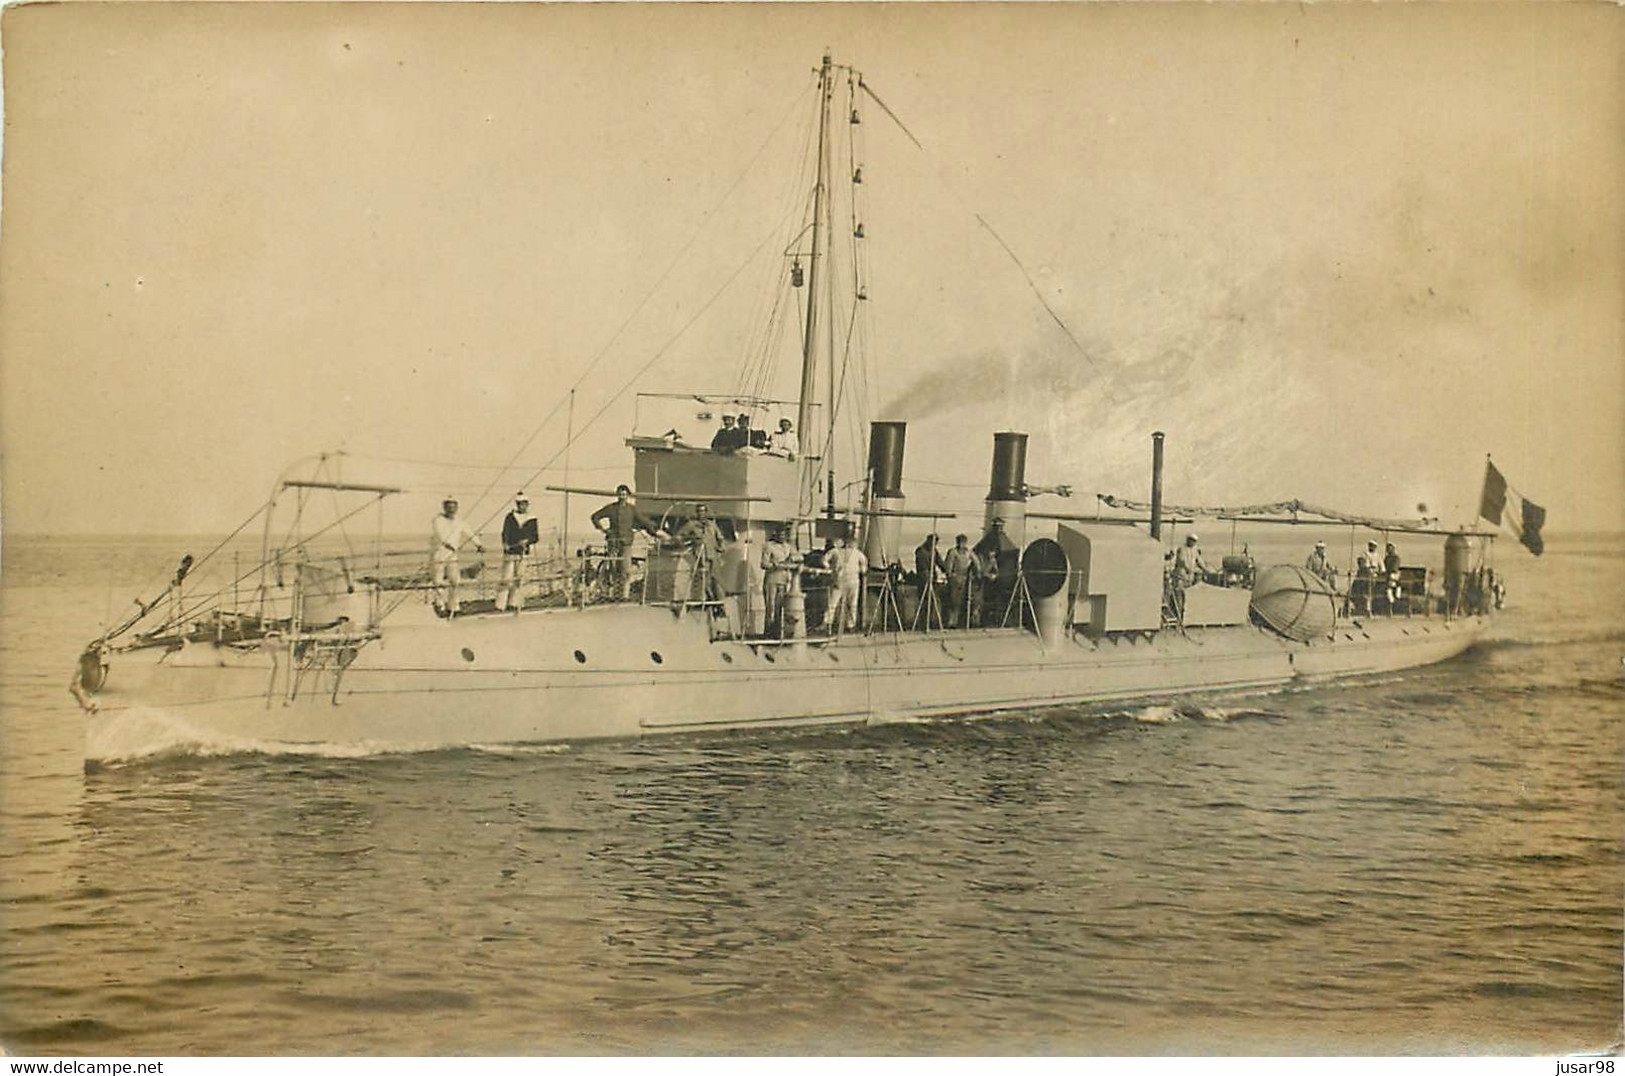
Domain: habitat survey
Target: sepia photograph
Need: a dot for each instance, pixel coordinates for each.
(908, 529)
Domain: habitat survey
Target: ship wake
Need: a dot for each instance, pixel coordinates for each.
(150, 733)
(1555, 635)
(1175, 713)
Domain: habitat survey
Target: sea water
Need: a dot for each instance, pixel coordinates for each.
(1424, 862)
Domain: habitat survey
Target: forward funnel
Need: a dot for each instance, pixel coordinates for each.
(881, 532)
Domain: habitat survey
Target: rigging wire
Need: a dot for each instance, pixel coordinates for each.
(146, 608)
(610, 402)
(846, 359)
(848, 413)
(765, 369)
(219, 594)
(795, 193)
(1025, 275)
(349, 547)
(197, 565)
(642, 303)
(864, 392)
(453, 465)
(947, 485)
(771, 348)
(758, 359)
(641, 370)
(863, 279)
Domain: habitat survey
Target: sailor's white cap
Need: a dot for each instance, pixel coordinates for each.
(520, 498)
(1192, 538)
(1320, 545)
(448, 499)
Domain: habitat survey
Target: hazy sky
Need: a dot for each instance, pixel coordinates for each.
(1336, 251)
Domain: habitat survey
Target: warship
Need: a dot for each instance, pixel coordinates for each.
(675, 633)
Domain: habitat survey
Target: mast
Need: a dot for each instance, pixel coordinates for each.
(809, 365)
(829, 366)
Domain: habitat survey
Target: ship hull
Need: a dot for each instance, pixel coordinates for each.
(631, 671)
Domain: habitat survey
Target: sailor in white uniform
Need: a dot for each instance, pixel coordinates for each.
(848, 564)
(1189, 569)
(785, 441)
(1319, 565)
(450, 535)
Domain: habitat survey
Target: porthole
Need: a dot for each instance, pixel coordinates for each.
(654, 656)
(832, 657)
(581, 659)
(468, 655)
(727, 657)
(768, 654)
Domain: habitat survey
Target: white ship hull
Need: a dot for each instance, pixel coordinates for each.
(642, 671)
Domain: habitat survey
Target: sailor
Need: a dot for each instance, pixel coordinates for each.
(1390, 573)
(848, 564)
(1319, 566)
(450, 535)
(928, 565)
(815, 584)
(723, 439)
(519, 534)
(785, 441)
(704, 540)
(778, 561)
(961, 568)
(1189, 569)
(1369, 563)
(930, 572)
(750, 438)
(620, 521)
(1367, 567)
(1000, 564)
(984, 592)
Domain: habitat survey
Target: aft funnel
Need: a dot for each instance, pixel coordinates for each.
(1007, 491)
